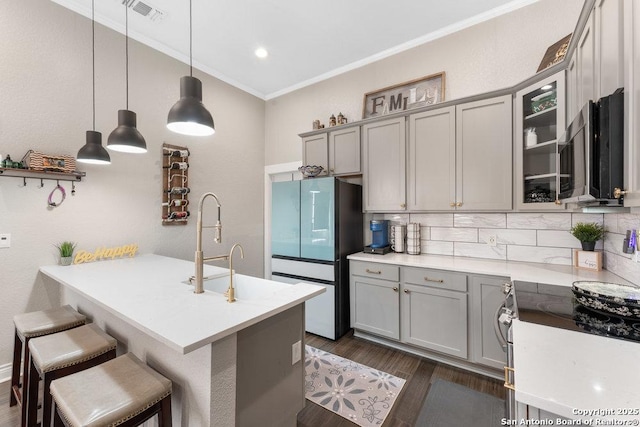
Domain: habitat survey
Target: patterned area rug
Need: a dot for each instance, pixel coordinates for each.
(356, 392)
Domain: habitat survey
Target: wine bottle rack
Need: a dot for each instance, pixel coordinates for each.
(175, 185)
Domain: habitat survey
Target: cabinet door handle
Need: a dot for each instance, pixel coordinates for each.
(458, 204)
(508, 384)
(395, 289)
(452, 204)
(403, 205)
(406, 291)
(373, 272)
(426, 279)
(332, 170)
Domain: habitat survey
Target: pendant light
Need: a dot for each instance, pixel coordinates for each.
(189, 116)
(93, 151)
(126, 137)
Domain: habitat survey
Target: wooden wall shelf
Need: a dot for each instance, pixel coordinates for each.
(31, 174)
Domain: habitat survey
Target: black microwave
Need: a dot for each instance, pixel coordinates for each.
(590, 154)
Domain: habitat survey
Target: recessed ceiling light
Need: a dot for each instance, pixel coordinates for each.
(261, 52)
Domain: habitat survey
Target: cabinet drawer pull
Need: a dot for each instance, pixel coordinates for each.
(406, 291)
(426, 279)
(395, 289)
(373, 272)
(508, 384)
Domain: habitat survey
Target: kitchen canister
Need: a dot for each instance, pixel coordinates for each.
(413, 238)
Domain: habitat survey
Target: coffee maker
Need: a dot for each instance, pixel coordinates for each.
(379, 237)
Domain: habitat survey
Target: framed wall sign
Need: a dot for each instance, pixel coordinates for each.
(589, 260)
(405, 96)
(555, 53)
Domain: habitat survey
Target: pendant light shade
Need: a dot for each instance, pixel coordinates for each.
(126, 137)
(93, 152)
(189, 116)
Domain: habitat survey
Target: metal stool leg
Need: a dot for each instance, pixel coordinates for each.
(15, 371)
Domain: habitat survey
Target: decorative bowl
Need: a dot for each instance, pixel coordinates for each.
(618, 299)
(310, 171)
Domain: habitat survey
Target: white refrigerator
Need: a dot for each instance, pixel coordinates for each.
(315, 224)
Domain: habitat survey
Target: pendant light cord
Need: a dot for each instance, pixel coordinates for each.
(190, 41)
(126, 48)
(93, 58)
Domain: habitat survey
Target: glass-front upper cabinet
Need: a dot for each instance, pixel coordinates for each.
(540, 123)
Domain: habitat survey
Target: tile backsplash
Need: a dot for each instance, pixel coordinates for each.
(530, 237)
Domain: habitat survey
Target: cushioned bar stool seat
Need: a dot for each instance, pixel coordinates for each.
(121, 392)
(31, 325)
(58, 355)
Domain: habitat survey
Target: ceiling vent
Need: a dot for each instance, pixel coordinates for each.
(145, 9)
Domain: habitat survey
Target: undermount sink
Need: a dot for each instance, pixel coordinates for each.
(247, 288)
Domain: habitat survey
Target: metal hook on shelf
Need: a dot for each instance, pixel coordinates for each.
(24, 181)
(41, 183)
(73, 188)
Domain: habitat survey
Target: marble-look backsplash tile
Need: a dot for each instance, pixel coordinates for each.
(480, 220)
(454, 234)
(615, 260)
(508, 236)
(530, 237)
(539, 221)
(540, 254)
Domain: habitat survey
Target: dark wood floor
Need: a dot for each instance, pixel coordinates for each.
(417, 371)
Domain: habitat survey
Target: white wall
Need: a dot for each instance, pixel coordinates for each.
(492, 55)
(45, 104)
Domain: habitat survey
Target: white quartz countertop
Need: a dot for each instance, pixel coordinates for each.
(148, 292)
(526, 271)
(569, 373)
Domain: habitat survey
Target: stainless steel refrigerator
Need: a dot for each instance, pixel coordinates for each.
(315, 224)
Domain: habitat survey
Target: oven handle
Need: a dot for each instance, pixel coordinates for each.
(496, 327)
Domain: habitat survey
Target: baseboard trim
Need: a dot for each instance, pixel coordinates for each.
(5, 372)
(467, 366)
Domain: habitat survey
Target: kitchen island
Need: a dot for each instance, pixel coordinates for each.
(230, 363)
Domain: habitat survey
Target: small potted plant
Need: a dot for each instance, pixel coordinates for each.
(588, 233)
(66, 252)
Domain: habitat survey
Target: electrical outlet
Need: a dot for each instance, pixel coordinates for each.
(5, 240)
(296, 352)
(492, 240)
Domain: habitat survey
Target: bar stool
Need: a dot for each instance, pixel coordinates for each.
(121, 392)
(31, 325)
(58, 355)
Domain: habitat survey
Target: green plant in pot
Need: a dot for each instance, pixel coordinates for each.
(588, 233)
(66, 252)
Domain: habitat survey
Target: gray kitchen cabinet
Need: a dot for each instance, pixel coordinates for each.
(484, 159)
(344, 151)
(539, 109)
(572, 88)
(433, 317)
(609, 46)
(375, 302)
(431, 173)
(585, 57)
(632, 102)
(315, 152)
(460, 157)
(384, 165)
(487, 297)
